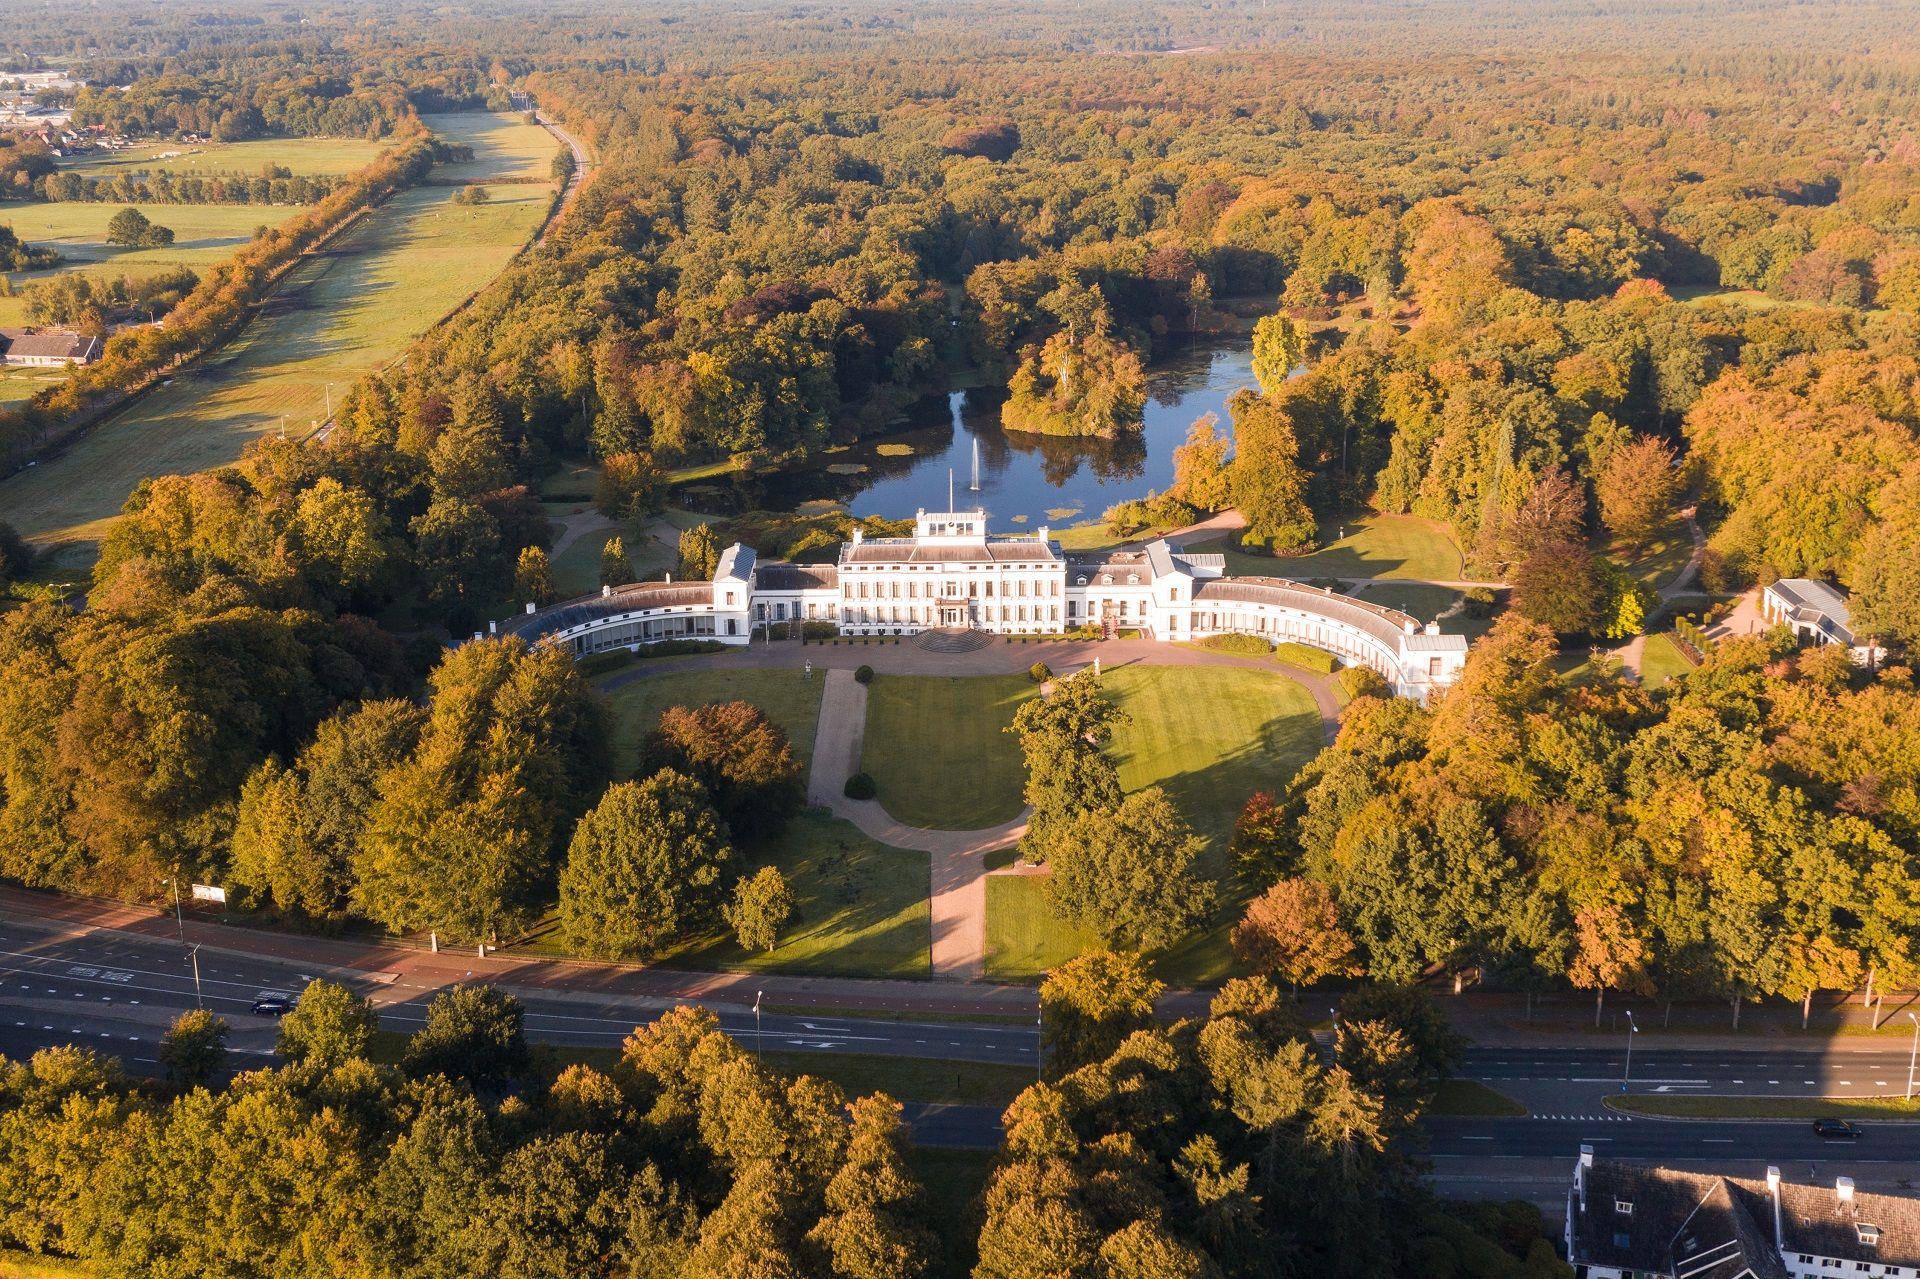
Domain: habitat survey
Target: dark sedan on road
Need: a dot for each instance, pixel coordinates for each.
(1837, 1130)
(274, 1005)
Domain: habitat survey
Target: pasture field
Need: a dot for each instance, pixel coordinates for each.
(204, 234)
(505, 147)
(303, 157)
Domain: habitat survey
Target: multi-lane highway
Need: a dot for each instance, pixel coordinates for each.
(117, 989)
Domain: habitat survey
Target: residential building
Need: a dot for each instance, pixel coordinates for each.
(1625, 1221)
(1816, 613)
(28, 348)
(952, 574)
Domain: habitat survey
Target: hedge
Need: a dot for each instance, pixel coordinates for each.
(1247, 645)
(1305, 656)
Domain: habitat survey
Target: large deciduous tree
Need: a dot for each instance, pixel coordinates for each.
(1293, 932)
(1089, 1004)
(1635, 487)
(644, 867)
(1127, 873)
(1063, 739)
(743, 759)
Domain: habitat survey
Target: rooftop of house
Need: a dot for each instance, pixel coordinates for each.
(1810, 595)
(28, 344)
(1707, 1226)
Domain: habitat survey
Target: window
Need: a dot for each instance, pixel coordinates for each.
(1624, 1207)
(1433, 666)
(1868, 1233)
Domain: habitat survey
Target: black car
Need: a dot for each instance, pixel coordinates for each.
(1837, 1130)
(273, 1005)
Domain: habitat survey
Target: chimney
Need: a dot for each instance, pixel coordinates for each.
(605, 591)
(669, 579)
(1843, 1186)
(1043, 532)
(1773, 1192)
(1433, 628)
(857, 533)
(493, 628)
(530, 607)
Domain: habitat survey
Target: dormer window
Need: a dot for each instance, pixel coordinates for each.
(1133, 579)
(1080, 580)
(1867, 1234)
(1624, 1207)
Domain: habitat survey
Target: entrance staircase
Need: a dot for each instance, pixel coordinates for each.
(952, 640)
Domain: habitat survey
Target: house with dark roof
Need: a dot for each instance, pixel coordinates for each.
(32, 349)
(1625, 1221)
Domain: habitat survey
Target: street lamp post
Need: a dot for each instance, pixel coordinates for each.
(179, 923)
(757, 1054)
(1039, 1041)
(1626, 1076)
(193, 953)
(1912, 1053)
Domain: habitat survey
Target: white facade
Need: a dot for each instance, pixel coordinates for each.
(953, 574)
(1816, 614)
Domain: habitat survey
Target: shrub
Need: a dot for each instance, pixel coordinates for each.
(818, 630)
(1039, 672)
(1480, 602)
(860, 785)
(1254, 544)
(864, 674)
(1130, 634)
(1247, 645)
(1362, 681)
(601, 663)
(1306, 657)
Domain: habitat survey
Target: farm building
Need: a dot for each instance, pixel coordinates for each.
(22, 347)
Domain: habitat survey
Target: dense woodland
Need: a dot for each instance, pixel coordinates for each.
(1542, 272)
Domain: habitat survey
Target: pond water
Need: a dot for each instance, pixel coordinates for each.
(1024, 480)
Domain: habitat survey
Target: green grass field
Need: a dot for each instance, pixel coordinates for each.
(939, 751)
(204, 234)
(1422, 601)
(505, 146)
(304, 157)
(1683, 1107)
(576, 570)
(1471, 1097)
(1662, 660)
(1361, 546)
(860, 908)
(1655, 564)
(1211, 735)
(338, 315)
(788, 699)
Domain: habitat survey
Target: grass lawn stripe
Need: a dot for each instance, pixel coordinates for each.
(938, 748)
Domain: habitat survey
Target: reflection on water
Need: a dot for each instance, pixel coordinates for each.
(1022, 477)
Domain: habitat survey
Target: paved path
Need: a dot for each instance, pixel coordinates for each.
(1632, 654)
(957, 858)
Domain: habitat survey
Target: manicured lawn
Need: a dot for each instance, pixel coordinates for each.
(939, 749)
(860, 908)
(789, 699)
(1211, 735)
(1024, 939)
(965, 1083)
(1655, 564)
(1696, 1107)
(1423, 602)
(1662, 660)
(338, 315)
(576, 570)
(1362, 546)
(305, 157)
(1471, 1097)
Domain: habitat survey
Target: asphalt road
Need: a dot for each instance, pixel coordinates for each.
(47, 978)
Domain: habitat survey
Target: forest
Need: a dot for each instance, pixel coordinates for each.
(1543, 273)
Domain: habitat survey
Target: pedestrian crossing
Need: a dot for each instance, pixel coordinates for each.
(1606, 1118)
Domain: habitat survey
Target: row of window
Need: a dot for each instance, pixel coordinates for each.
(932, 615)
(948, 590)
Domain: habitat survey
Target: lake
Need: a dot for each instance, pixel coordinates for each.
(1025, 480)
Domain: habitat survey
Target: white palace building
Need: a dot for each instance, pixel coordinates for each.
(954, 575)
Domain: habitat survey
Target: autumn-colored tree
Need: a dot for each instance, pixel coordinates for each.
(1200, 474)
(533, 577)
(1089, 1004)
(699, 553)
(330, 1025)
(630, 487)
(193, 1052)
(1608, 953)
(1279, 347)
(742, 758)
(615, 568)
(1293, 932)
(1635, 488)
(1558, 586)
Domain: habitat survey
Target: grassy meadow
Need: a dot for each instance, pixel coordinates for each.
(303, 157)
(1211, 735)
(939, 751)
(339, 314)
